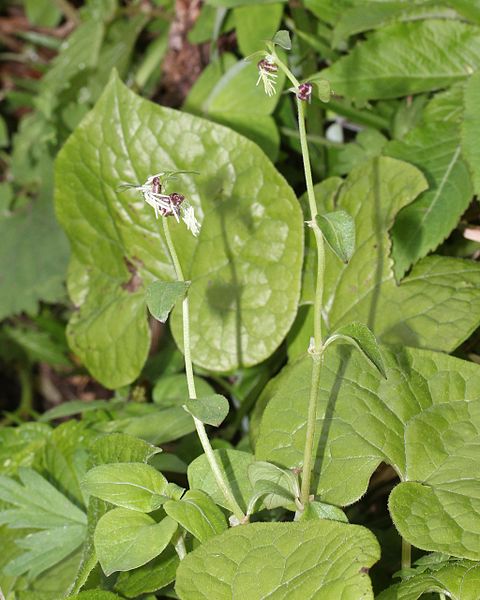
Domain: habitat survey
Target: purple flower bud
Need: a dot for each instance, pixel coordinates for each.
(304, 92)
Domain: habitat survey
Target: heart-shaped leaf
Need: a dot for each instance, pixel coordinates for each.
(423, 420)
(251, 237)
(161, 297)
(338, 229)
(315, 559)
(209, 409)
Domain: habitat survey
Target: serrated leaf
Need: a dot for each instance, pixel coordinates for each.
(197, 513)
(151, 577)
(437, 506)
(161, 297)
(338, 229)
(363, 420)
(459, 579)
(422, 225)
(471, 127)
(285, 560)
(209, 409)
(282, 39)
(418, 311)
(416, 57)
(109, 331)
(126, 539)
(363, 339)
(131, 485)
(234, 466)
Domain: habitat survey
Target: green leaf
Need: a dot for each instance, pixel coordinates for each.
(281, 560)
(171, 390)
(209, 409)
(131, 485)
(30, 276)
(363, 339)
(282, 39)
(421, 226)
(466, 8)
(471, 127)
(109, 331)
(323, 89)
(21, 445)
(437, 506)
(418, 311)
(126, 539)
(319, 510)
(121, 448)
(150, 577)
(234, 466)
(417, 57)
(42, 12)
(423, 421)
(162, 296)
(234, 3)
(372, 15)
(256, 23)
(274, 485)
(457, 579)
(94, 595)
(197, 513)
(338, 229)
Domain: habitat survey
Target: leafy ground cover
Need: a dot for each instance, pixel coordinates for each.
(240, 299)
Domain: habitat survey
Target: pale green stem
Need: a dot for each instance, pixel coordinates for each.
(406, 555)
(442, 596)
(316, 348)
(199, 426)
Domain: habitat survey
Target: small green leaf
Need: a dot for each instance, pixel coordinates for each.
(319, 510)
(234, 466)
(126, 539)
(282, 39)
(362, 338)
(276, 486)
(209, 409)
(197, 513)
(315, 559)
(161, 297)
(324, 89)
(338, 229)
(135, 486)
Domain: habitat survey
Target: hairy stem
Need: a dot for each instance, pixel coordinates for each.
(199, 426)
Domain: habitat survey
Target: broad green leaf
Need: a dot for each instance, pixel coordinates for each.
(418, 311)
(150, 577)
(421, 226)
(161, 297)
(20, 446)
(466, 8)
(363, 339)
(372, 15)
(131, 485)
(38, 345)
(338, 229)
(42, 12)
(209, 409)
(94, 595)
(234, 466)
(197, 513)
(115, 260)
(471, 127)
(171, 390)
(441, 483)
(459, 579)
(275, 486)
(126, 539)
(446, 106)
(76, 407)
(121, 448)
(28, 275)
(282, 39)
(319, 510)
(363, 419)
(417, 57)
(256, 23)
(309, 560)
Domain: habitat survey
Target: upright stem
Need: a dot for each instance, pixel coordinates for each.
(406, 555)
(199, 426)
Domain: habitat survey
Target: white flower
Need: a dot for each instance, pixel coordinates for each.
(267, 74)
